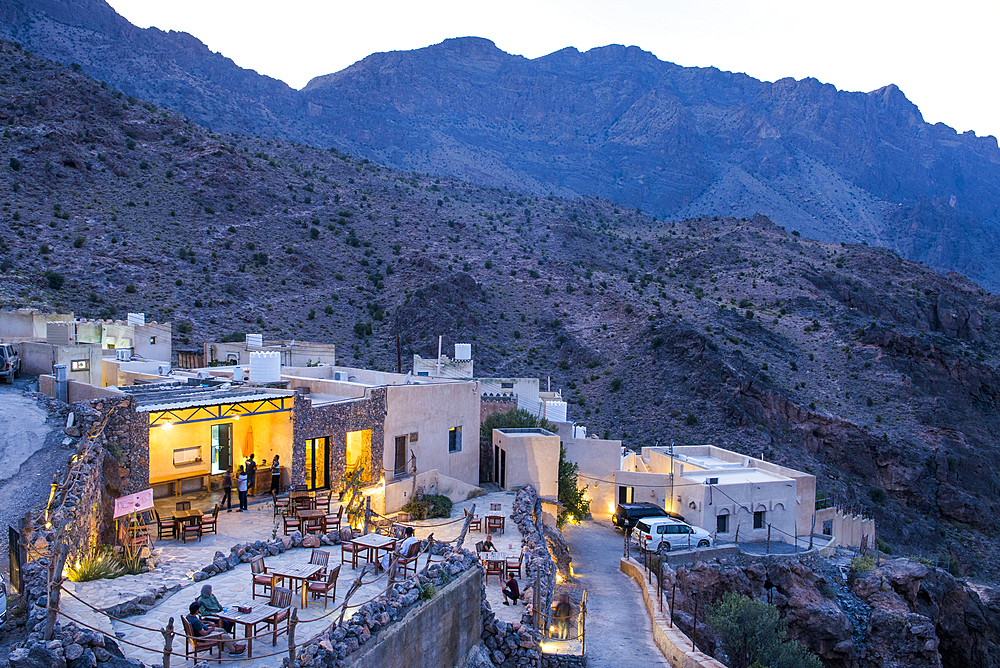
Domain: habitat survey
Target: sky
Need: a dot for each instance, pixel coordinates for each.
(942, 55)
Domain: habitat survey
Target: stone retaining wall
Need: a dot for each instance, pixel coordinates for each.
(539, 566)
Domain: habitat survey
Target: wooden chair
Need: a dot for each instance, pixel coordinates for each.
(323, 502)
(291, 523)
(281, 504)
(333, 521)
(300, 487)
(514, 567)
(324, 588)
(197, 644)
(495, 507)
(314, 525)
(494, 525)
(281, 597)
(494, 567)
(303, 503)
(479, 549)
(191, 528)
(259, 577)
(399, 532)
(348, 548)
(320, 558)
(183, 505)
(476, 523)
(383, 526)
(210, 523)
(408, 561)
(165, 527)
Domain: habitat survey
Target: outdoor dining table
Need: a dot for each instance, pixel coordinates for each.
(310, 515)
(372, 543)
(294, 572)
(258, 613)
(497, 559)
(495, 523)
(185, 517)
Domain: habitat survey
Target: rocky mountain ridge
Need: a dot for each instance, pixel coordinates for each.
(877, 374)
(613, 122)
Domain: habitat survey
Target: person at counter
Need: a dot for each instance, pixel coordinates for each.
(275, 476)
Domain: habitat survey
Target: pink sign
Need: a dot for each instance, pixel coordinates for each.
(134, 503)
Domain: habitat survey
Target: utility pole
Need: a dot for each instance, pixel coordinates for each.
(671, 508)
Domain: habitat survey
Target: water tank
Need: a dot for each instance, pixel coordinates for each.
(554, 410)
(255, 340)
(463, 351)
(241, 374)
(137, 319)
(265, 367)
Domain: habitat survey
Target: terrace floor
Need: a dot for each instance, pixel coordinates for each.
(176, 562)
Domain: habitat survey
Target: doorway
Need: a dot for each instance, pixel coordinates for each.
(359, 454)
(317, 463)
(399, 466)
(500, 466)
(222, 448)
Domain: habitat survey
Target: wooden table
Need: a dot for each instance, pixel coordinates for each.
(258, 613)
(311, 515)
(293, 497)
(294, 572)
(495, 522)
(496, 558)
(183, 517)
(372, 543)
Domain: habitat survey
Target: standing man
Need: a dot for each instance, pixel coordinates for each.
(227, 489)
(275, 476)
(241, 487)
(251, 476)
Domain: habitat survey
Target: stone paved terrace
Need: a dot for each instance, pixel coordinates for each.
(177, 561)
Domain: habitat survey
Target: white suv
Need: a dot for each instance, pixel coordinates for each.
(674, 534)
(10, 363)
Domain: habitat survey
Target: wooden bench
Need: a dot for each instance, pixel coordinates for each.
(176, 481)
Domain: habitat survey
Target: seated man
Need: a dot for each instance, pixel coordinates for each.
(511, 591)
(401, 549)
(207, 630)
(210, 607)
(488, 545)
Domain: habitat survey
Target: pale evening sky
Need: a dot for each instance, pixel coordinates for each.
(942, 55)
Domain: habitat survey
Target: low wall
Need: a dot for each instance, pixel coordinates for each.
(435, 634)
(76, 392)
(674, 644)
(685, 557)
(847, 530)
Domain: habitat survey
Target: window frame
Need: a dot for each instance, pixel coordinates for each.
(79, 365)
(759, 519)
(455, 439)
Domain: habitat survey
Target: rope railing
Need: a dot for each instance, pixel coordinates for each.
(342, 608)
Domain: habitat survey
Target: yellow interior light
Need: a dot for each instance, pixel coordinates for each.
(168, 425)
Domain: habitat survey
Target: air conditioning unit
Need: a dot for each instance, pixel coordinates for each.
(163, 370)
(123, 354)
(340, 376)
(202, 375)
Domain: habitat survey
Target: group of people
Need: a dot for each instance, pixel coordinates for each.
(511, 591)
(204, 624)
(246, 483)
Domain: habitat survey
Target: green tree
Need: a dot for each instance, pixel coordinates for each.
(570, 495)
(753, 634)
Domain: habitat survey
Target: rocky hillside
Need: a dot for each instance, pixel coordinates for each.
(613, 122)
(875, 373)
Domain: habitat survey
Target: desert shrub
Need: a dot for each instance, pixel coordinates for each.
(54, 279)
(753, 634)
(863, 564)
(426, 506)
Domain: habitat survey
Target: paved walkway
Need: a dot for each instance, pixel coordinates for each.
(177, 561)
(619, 631)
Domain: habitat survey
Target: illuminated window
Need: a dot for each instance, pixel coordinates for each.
(455, 439)
(79, 365)
(152, 340)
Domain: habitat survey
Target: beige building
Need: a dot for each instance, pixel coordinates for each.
(83, 361)
(527, 457)
(292, 353)
(734, 496)
(597, 460)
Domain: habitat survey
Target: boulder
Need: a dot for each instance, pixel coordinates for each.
(311, 541)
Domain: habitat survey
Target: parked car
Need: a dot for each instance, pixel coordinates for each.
(675, 535)
(627, 514)
(3, 600)
(10, 363)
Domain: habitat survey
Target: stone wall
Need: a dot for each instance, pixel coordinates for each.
(334, 421)
(127, 434)
(436, 634)
(539, 565)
